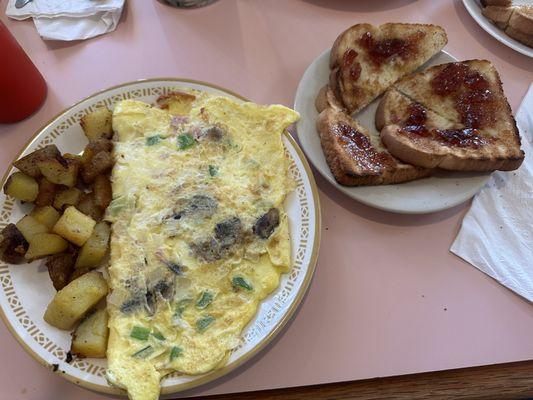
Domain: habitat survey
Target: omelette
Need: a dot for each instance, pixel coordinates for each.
(199, 232)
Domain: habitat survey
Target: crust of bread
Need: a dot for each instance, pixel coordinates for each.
(429, 154)
(373, 79)
(498, 15)
(326, 98)
(520, 36)
(522, 20)
(503, 3)
(348, 171)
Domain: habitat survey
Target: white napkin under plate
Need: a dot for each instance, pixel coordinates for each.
(496, 235)
(69, 19)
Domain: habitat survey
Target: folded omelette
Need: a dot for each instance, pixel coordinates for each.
(199, 233)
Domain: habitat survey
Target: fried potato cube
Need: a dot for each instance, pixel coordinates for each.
(47, 192)
(71, 303)
(99, 164)
(62, 171)
(97, 124)
(74, 226)
(102, 191)
(90, 337)
(176, 103)
(67, 197)
(45, 244)
(29, 226)
(94, 249)
(22, 187)
(28, 164)
(13, 245)
(46, 215)
(87, 205)
(60, 267)
(94, 148)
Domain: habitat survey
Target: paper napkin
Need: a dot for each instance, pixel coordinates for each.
(69, 19)
(496, 235)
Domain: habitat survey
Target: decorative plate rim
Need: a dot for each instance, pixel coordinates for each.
(265, 340)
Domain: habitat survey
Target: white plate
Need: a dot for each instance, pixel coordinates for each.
(474, 9)
(438, 192)
(26, 289)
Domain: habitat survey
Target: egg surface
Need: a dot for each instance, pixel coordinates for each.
(199, 233)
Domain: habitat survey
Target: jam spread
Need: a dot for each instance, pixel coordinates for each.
(361, 149)
(417, 114)
(474, 101)
(350, 65)
(466, 137)
(381, 50)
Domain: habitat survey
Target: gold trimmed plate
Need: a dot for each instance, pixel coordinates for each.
(26, 290)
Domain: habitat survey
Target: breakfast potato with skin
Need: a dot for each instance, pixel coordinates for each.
(47, 192)
(97, 124)
(94, 148)
(74, 226)
(45, 244)
(71, 303)
(67, 197)
(62, 171)
(22, 187)
(94, 249)
(102, 191)
(46, 215)
(13, 245)
(28, 164)
(60, 267)
(99, 164)
(88, 206)
(90, 337)
(30, 226)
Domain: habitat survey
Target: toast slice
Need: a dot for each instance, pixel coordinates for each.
(498, 15)
(355, 157)
(481, 134)
(521, 25)
(365, 60)
(501, 3)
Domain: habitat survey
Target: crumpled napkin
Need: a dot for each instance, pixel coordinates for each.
(496, 235)
(69, 19)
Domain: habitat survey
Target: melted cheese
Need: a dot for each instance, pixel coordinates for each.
(199, 235)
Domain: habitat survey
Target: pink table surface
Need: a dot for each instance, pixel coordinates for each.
(387, 298)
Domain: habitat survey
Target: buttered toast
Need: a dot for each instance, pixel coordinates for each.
(354, 155)
(477, 131)
(365, 60)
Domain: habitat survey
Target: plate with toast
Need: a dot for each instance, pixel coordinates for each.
(397, 123)
(508, 21)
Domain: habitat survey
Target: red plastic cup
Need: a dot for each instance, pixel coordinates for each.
(22, 87)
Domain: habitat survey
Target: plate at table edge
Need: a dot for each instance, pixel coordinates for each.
(439, 192)
(473, 7)
(22, 313)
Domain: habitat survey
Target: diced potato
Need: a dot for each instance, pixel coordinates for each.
(94, 148)
(22, 187)
(90, 337)
(29, 227)
(13, 245)
(45, 244)
(87, 205)
(46, 215)
(47, 192)
(102, 191)
(60, 170)
(28, 164)
(95, 247)
(67, 197)
(176, 103)
(99, 164)
(97, 124)
(71, 303)
(60, 267)
(74, 226)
